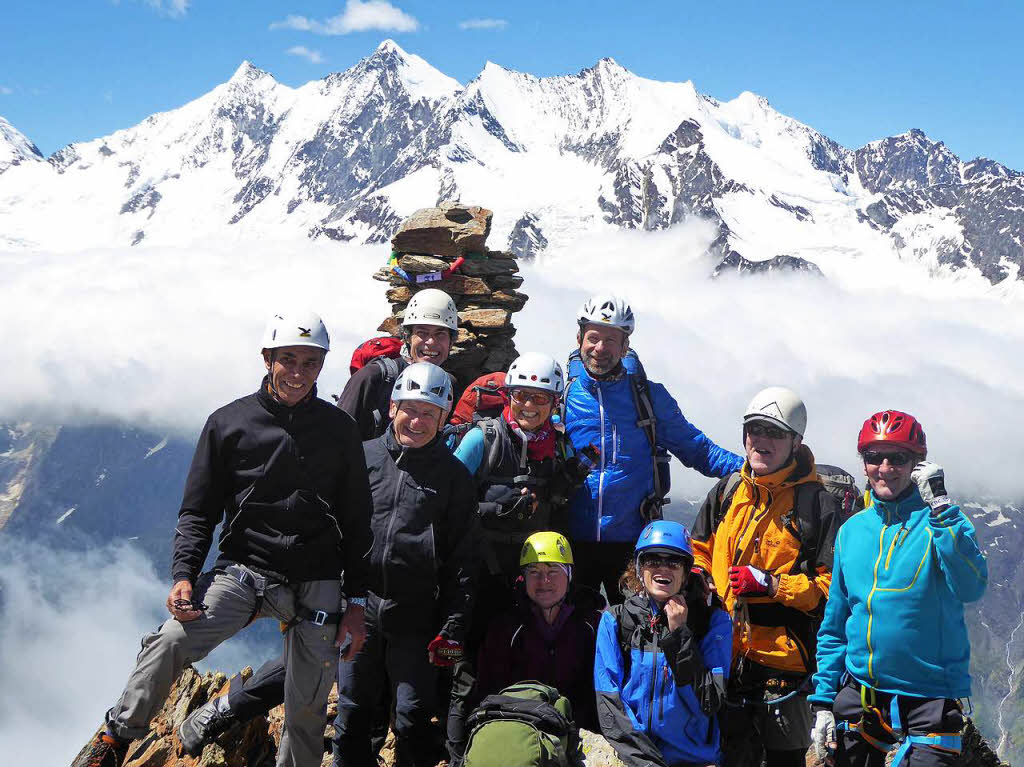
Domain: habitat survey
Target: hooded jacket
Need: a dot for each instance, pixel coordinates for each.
(658, 707)
(423, 560)
(521, 645)
(895, 615)
(760, 528)
(290, 484)
(603, 413)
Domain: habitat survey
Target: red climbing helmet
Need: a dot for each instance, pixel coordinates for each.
(893, 427)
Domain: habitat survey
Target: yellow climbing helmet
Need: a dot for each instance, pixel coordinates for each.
(546, 547)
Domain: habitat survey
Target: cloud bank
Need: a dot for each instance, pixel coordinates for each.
(162, 337)
(70, 627)
(358, 16)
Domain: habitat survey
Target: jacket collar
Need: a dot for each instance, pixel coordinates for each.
(900, 507)
(591, 381)
(800, 469)
(272, 406)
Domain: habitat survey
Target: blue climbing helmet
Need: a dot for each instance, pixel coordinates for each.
(664, 537)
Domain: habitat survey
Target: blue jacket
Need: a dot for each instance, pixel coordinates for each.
(895, 613)
(660, 707)
(602, 413)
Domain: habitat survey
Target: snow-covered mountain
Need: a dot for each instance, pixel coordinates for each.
(15, 148)
(347, 157)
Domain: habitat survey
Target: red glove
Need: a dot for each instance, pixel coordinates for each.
(748, 581)
(444, 651)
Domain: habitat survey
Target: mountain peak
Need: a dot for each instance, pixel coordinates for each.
(390, 46)
(15, 147)
(247, 72)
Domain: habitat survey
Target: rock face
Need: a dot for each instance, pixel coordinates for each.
(254, 743)
(425, 250)
(734, 263)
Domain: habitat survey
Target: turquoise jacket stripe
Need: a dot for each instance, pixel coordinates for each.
(895, 613)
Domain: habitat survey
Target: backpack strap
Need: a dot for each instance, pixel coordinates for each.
(727, 490)
(493, 449)
(390, 369)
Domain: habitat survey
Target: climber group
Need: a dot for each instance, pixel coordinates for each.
(444, 566)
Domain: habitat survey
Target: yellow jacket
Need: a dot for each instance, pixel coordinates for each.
(761, 527)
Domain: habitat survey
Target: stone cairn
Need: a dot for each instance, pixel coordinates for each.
(445, 248)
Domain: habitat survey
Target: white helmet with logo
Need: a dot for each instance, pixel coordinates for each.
(780, 406)
(536, 370)
(607, 309)
(432, 307)
(296, 329)
(424, 382)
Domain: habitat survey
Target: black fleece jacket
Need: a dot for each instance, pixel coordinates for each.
(291, 486)
(425, 536)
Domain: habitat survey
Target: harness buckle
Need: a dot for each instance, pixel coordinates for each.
(319, 618)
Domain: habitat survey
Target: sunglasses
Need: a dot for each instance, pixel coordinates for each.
(522, 396)
(875, 458)
(757, 429)
(659, 560)
(188, 604)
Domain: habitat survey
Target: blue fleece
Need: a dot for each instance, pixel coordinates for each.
(668, 714)
(471, 450)
(895, 613)
(603, 413)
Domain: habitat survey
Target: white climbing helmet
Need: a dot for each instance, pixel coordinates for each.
(607, 309)
(432, 307)
(296, 329)
(780, 406)
(537, 371)
(424, 382)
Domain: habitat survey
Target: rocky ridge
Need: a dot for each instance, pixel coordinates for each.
(254, 743)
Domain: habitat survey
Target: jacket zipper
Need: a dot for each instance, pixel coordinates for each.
(391, 526)
(654, 678)
(600, 479)
(871, 594)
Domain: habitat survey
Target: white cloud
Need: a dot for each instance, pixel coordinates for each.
(358, 16)
(176, 8)
(483, 24)
(80, 616)
(162, 336)
(312, 56)
(5, 91)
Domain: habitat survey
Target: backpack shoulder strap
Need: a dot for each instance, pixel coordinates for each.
(492, 448)
(727, 490)
(389, 367)
(627, 627)
(808, 501)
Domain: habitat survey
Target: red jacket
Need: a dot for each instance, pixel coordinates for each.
(520, 645)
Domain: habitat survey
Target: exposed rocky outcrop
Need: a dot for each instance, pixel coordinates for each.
(426, 252)
(254, 743)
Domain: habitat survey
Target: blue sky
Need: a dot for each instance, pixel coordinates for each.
(73, 70)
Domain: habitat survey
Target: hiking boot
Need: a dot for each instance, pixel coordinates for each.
(204, 724)
(106, 751)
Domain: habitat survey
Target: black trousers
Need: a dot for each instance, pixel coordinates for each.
(392, 665)
(919, 716)
(601, 564)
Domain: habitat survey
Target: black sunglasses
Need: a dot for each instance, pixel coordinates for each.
(187, 604)
(875, 458)
(757, 429)
(659, 560)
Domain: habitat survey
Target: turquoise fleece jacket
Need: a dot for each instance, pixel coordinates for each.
(895, 613)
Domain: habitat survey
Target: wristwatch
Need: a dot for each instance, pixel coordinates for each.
(361, 601)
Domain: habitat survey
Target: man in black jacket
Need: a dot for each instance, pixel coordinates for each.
(429, 326)
(285, 472)
(423, 567)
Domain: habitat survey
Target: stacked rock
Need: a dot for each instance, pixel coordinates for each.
(445, 248)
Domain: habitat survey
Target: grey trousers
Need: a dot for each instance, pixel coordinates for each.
(310, 656)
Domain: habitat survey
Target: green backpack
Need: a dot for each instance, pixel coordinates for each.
(526, 724)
